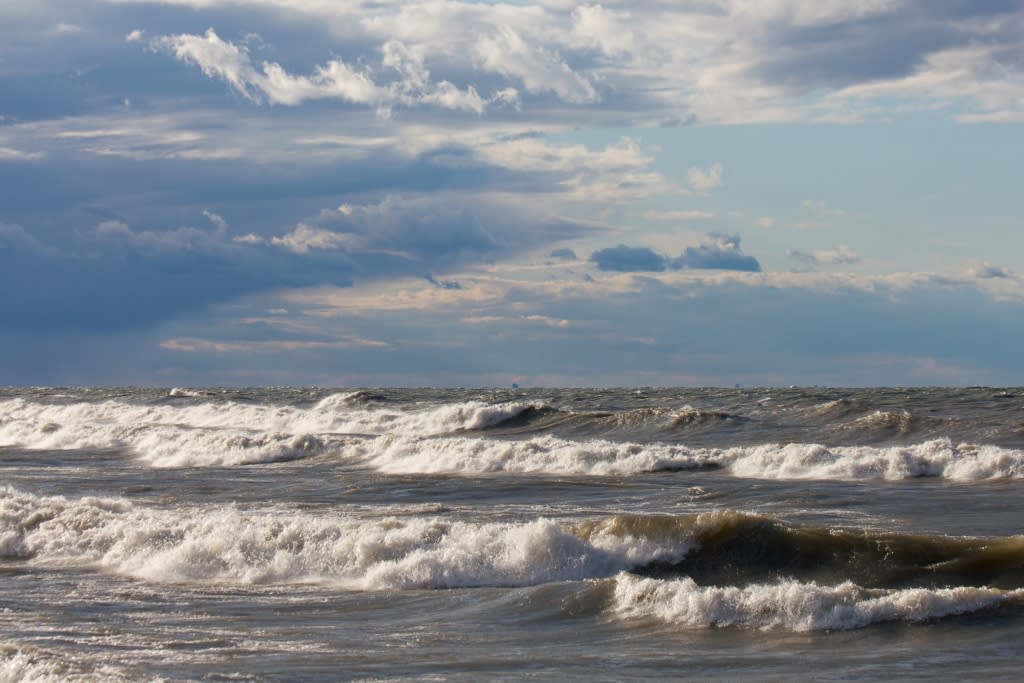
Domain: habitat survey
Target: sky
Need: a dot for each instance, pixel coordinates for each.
(456, 193)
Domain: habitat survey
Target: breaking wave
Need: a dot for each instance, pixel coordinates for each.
(205, 434)
(719, 568)
(33, 665)
(938, 458)
(793, 605)
(226, 544)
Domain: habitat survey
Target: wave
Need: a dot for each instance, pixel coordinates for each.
(639, 421)
(893, 423)
(689, 416)
(544, 454)
(642, 566)
(938, 458)
(735, 548)
(211, 433)
(793, 605)
(227, 544)
(34, 665)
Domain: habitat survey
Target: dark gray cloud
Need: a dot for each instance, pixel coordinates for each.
(888, 44)
(716, 252)
(623, 259)
(563, 254)
(113, 277)
(443, 284)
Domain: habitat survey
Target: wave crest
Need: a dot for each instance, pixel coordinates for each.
(792, 605)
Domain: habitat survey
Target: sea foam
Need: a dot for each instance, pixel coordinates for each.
(33, 665)
(207, 434)
(936, 458)
(447, 439)
(228, 544)
(792, 605)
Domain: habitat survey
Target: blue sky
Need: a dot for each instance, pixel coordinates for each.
(251, 192)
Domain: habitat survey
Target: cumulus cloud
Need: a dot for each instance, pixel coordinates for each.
(563, 254)
(334, 80)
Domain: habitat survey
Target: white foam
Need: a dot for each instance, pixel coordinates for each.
(423, 440)
(936, 458)
(227, 544)
(227, 433)
(32, 665)
(405, 455)
(792, 605)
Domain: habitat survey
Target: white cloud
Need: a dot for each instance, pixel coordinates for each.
(725, 61)
(334, 80)
(10, 154)
(681, 215)
(703, 181)
(134, 36)
(305, 237)
(841, 255)
(539, 69)
(607, 30)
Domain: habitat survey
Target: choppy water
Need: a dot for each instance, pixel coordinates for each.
(293, 534)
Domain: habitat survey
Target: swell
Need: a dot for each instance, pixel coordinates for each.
(545, 419)
(894, 424)
(736, 549)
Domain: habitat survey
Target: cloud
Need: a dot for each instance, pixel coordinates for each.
(66, 28)
(334, 80)
(678, 215)
(537, 68)
(9, 154)
(839, 256)
(563, 254)
(625, 259)
(903, 328)
(702, 181)
(442, 284)
(116, 277)
(986, 271)
(710, 62)
(717, 252)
